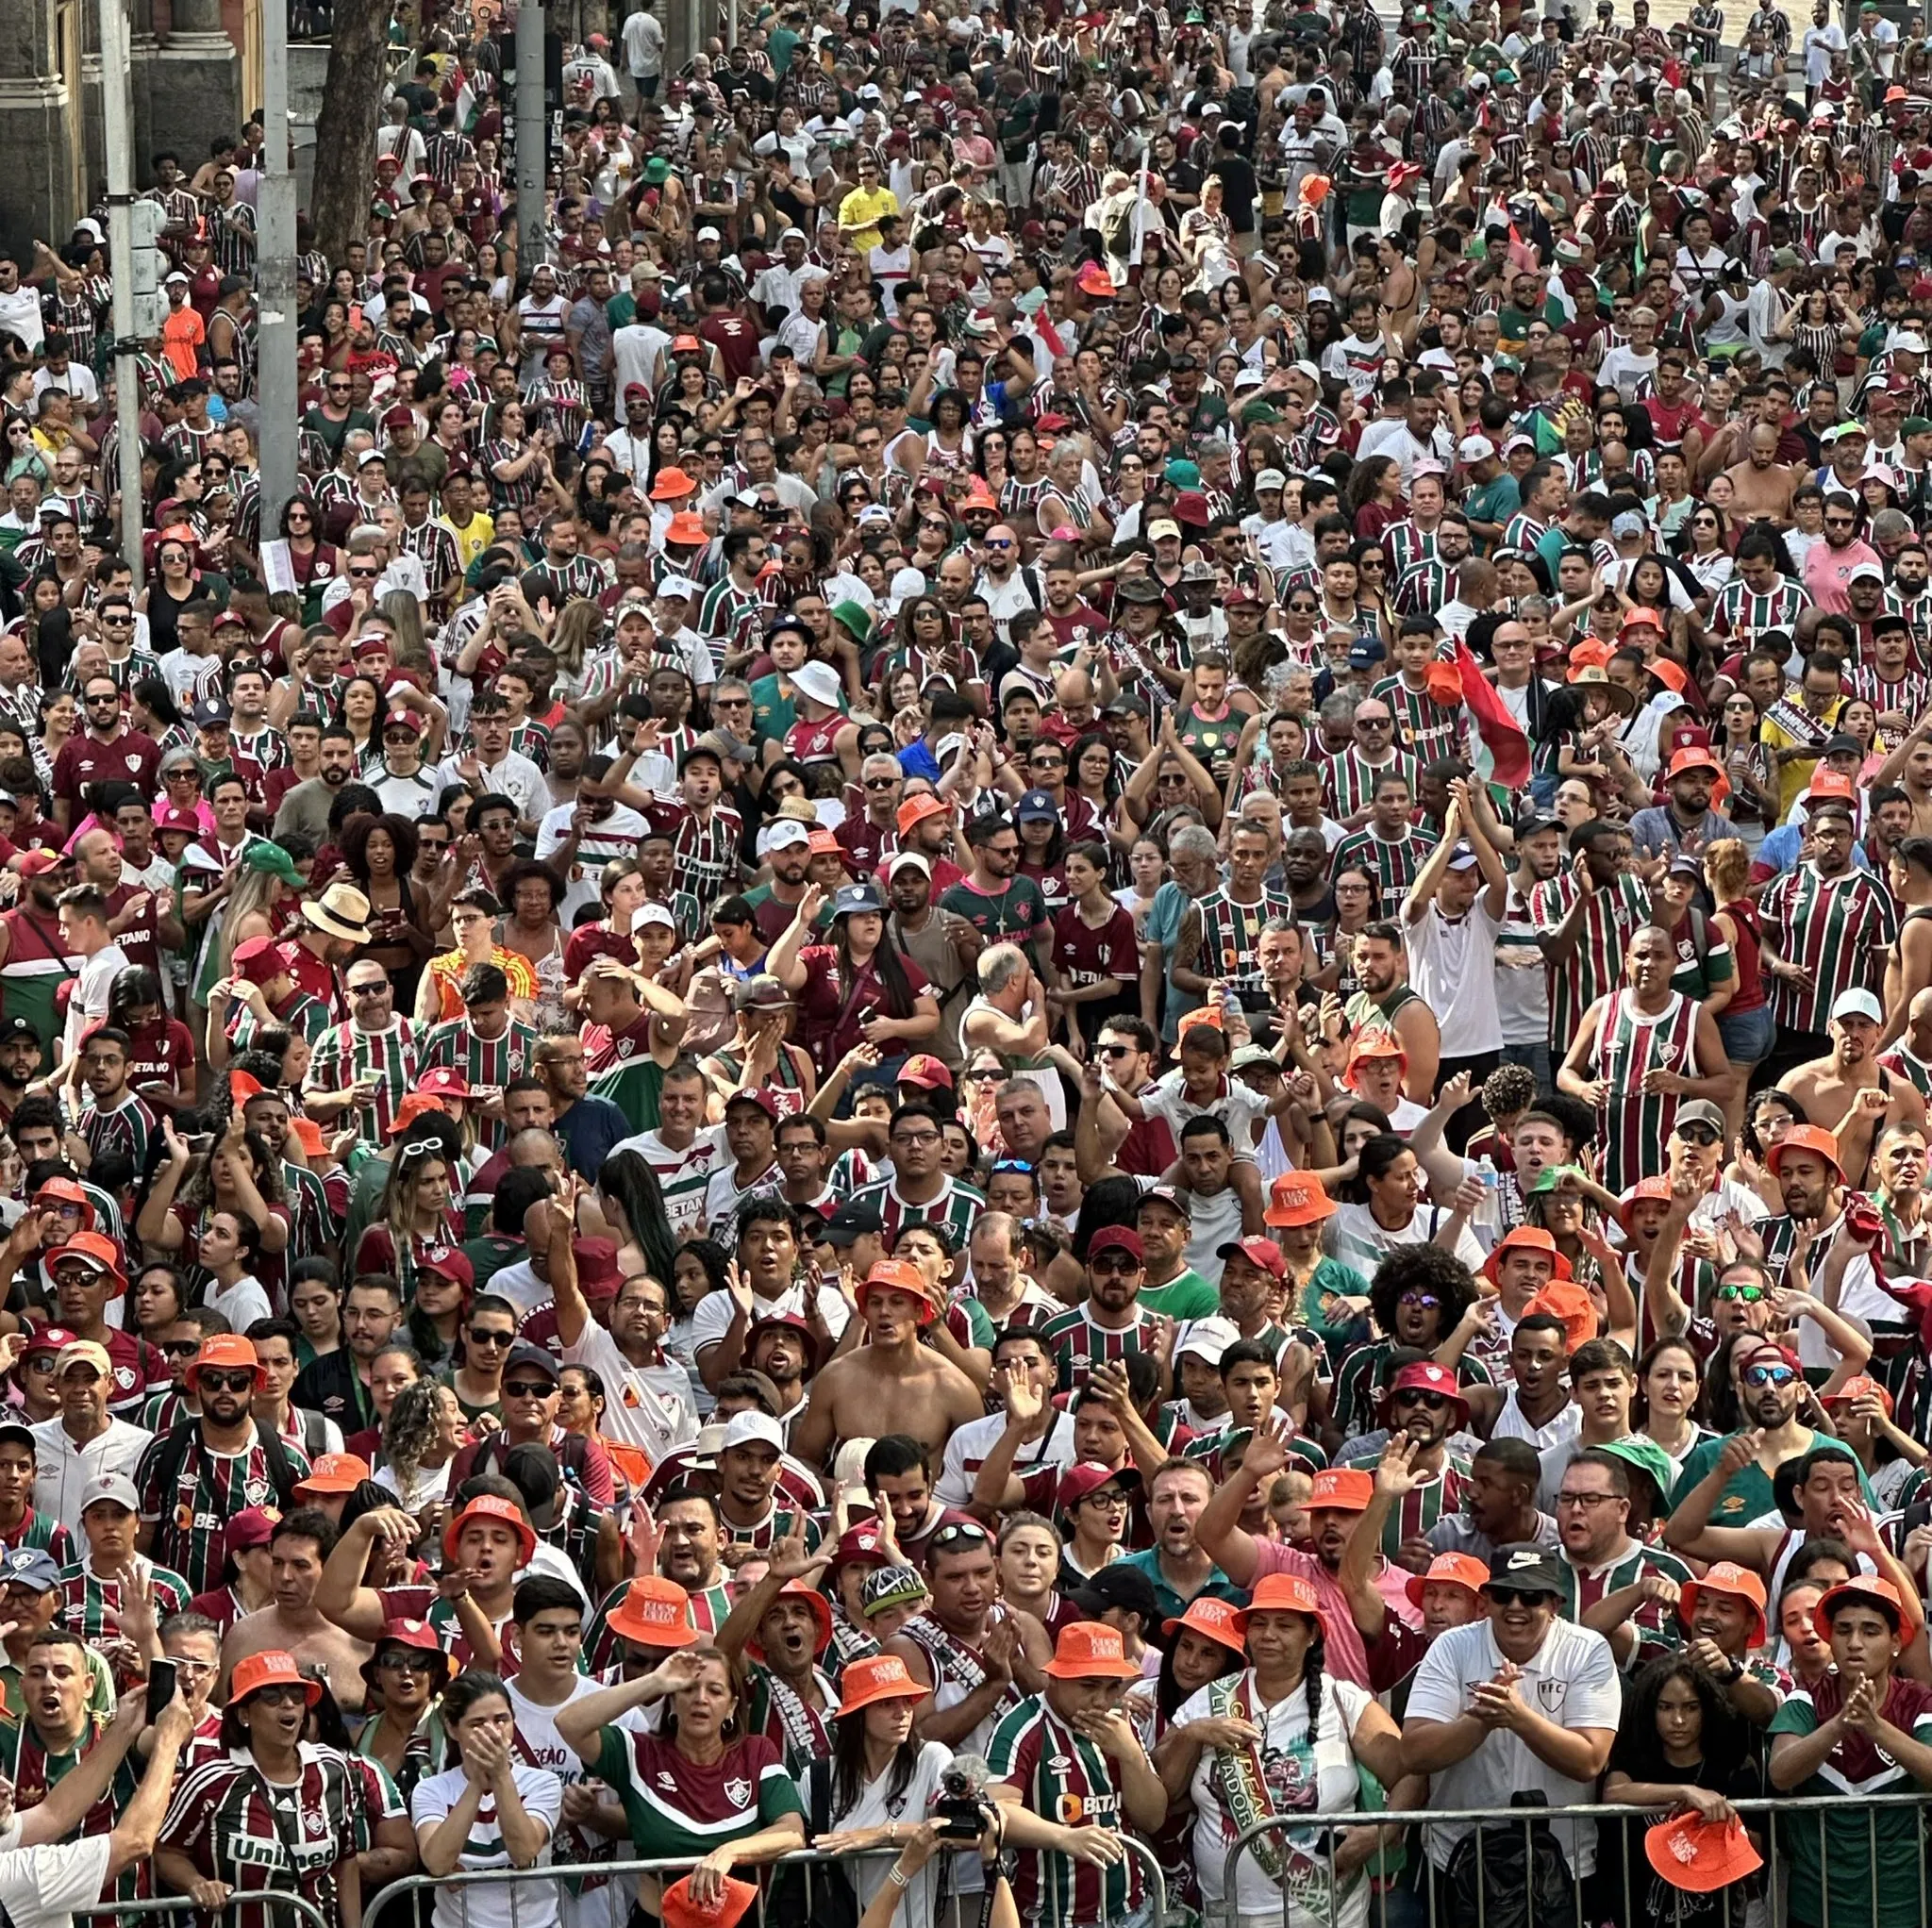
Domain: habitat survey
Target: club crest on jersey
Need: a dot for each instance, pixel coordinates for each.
(257, 1490)
(667, 1781)
(1552, 1692)
(124, 1376)
(625, 1047)
(738, 1793)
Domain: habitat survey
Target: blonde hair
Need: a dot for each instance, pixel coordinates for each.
(1727, 868)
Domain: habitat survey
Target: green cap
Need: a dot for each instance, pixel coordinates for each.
(1182, 473)
(1510, 362)
(856, 618)
(1647, 1456)
(1553, 1175)
(273, 860)
(1915, 424)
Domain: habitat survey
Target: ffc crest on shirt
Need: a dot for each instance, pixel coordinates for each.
(1552, 1692)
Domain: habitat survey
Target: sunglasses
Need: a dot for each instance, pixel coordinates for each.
(1743, 1295)
(1429, 1402)
(965, 1534)
(1698, 1134)
(1114, 1262)
(1517, 1596)
(180, 1348)
(407, 1662)
(1768, 1375)
(281, 1694)
(528, 1389)
(481, 1335)
(238, 1381)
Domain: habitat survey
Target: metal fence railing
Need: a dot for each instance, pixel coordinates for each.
(1833, 1862)
(397, 1905)
(298, 1910)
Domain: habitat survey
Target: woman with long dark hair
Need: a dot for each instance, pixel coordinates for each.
(638, 1223)
(313, 563)
(1284, 1703)
(858, 988)
(380, 853)
(490, 1810)
(1678, 1745)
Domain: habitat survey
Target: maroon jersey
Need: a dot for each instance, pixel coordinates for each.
(129, 757)
(1096, 953)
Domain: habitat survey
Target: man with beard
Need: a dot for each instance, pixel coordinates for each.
(1685, 820)
(1723, 1612)
(784, 1349)
(893, 1384)
(1176, 1565)
(1615, 1585)
(925, 829)
(196, 1478)
(748, 1492)
(586, 1126)
(1339, 1497)
(994, 899)
(786, 846)
(298, 1549)
(20, 1062)
(1739, 1472)
(337, 1384)
(1826, 929)
(1388, 1003)
(1422, 1409)
(683, 1542)
(34, 958)
(1847, 1091)
(1822, 1489)
(940, 942)
(1110, 1322)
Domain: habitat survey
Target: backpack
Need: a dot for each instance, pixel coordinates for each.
(823, 1896)
(1511, 1875)
(171, 1452)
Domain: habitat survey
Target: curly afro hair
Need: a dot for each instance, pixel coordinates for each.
(1426, 1269)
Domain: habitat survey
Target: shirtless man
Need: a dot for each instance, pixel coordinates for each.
(290, 1622)
(1847, 1091)
(1761, 483)
(893, 1384)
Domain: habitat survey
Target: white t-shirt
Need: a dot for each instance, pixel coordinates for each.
(643, 44)
(19, 314)
(39, 1888)
(873, 1810)
(971, 1445)
(89, 1000)
(1329, 1764)
(242, 1303)
(1452, 966)
(652, 1408)
(482, 1904)
(711, 1319)
(1571, 1679)
(1360, 1242)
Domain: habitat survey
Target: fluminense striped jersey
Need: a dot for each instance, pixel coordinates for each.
(126, 1131)
(34, 1773)
(189, 1521)
(41, 1529)
(1076, 1344)
(1839, 928)
(1595, 966)
(1917, 1071)
(221, 1819)
(1348, 781)
(726, 606)
(484, 1062)
(388, 1058)
(705, 851)
(1231, 936)
(1917, 610)
(1657, 1623)
(1358, 1391)
(1743, 615)
(91, 1605)
(1522, 531)
(1909, 696)
(1633, 1124)
(1065, 1776)
(1405, 545)
(1419, 1509)
(1394, 862)
(956, 1207)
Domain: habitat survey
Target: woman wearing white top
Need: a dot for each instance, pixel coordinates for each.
(491, 1811)
(1279, 1741)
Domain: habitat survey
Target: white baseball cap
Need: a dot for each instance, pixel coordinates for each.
(647, 914)
(907, 856)
(752, 1429)
(781, 833)
(1857, 1004)
(1270, 478)
(1474, 448)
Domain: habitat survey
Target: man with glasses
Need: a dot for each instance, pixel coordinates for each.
(337, 1384)
(993, 898)
(105, 750)
(1349, 779)
(196, 1478)
(367, 1065)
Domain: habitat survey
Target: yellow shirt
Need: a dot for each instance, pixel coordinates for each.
(473, 540)
(1794, 775)
(859, 214)
(447, 972)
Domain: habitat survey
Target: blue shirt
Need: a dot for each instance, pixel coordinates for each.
(1164, 917)
(590, 1129)
(1173, 1607)
(1779, 849)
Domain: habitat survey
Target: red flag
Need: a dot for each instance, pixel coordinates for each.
(1501, 733)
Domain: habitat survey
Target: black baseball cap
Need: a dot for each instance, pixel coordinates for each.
(851, 1222)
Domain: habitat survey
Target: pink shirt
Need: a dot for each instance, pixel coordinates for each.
(1348, 1659)
(1826, 569)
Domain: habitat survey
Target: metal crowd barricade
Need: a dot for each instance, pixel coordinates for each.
(1632, 1895)
(302, 1912)
(383, 1910)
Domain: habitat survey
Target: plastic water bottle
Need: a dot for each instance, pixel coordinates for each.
(1489, 1216)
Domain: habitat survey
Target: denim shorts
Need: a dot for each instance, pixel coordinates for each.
(1747, 1035)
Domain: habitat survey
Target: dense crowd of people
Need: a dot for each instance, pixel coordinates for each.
(1042, 976)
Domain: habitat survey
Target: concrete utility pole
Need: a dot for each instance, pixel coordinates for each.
(532, 123)
(133, 249)
(274, 276)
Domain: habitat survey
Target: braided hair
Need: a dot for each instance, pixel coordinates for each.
(1314, 1664)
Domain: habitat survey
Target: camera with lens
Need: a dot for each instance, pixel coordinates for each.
(960, 1809)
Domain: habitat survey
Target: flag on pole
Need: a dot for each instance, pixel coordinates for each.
(1501, 753)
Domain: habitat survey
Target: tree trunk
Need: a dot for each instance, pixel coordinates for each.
(345, 128)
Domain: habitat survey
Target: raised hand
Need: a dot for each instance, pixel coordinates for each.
(1396, 1471)
(1024, 1402)
(740, 1288)
(643, 1537)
